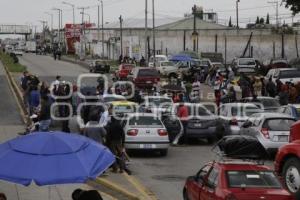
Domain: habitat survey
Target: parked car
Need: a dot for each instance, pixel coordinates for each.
(187, 69)
(246, 65)
(124, 71)
(99, 66)
(120, 109)
(144, 77)
(201, 124)
(268, 104)
(290, 110)
(158, 58)
(284, 75)
(272, 130)
(234, 180)
(167, 68)
(18, 52)
(157, 104)
(234, 115)
(144, 131)
(287, 166)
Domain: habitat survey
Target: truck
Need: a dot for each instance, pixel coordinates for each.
(287, 162)
(30, 47)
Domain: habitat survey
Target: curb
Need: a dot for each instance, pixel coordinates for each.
(117, 188)
(17, 94)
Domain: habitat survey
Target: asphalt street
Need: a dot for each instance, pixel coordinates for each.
(164, 176)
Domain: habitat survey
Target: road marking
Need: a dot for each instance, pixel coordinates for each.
(140, 187)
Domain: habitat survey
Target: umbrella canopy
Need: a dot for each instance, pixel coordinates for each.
(52, 158)
(181, 57)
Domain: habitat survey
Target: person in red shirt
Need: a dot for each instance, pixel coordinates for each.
(183, 113)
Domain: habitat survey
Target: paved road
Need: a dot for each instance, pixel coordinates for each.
(164, 176)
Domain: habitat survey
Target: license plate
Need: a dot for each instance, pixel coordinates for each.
(282, 138)
(198, 125)
(147, 146)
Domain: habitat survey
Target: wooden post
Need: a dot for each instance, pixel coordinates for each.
(216, 43)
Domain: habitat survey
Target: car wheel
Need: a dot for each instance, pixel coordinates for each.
(185, 195)
(164, 152)
(291, 176)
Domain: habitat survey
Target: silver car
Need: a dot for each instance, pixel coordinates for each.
(144, 131)
(271, 129)
(234, 115)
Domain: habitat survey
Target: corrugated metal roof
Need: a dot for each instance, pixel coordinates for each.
(188, 24)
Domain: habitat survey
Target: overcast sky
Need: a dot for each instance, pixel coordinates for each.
(31, 11)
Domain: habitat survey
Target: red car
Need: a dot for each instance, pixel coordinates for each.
(124, 71)
(287, 162)
(235, 180)
(145, 77)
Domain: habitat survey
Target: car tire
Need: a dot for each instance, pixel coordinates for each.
(291, 170)
(164, 152)
(185, 195)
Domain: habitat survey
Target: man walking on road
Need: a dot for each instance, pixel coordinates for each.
(115, 139)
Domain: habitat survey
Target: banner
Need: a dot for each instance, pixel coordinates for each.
(73, 33)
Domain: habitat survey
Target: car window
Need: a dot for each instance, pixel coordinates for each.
(145, 121)
(244, 111)
(212, 180)
(252, 179)
(163, 64)
(289, 74)
(148, 72)
(159, 101)
(279, 124)
(123, 109)
(247, 62)
(203, 172)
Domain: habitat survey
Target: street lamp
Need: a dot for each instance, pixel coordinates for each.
(101, 2)
(44, 33)
(50, 14)
(83, 30)
(237, 14)
(59, 22)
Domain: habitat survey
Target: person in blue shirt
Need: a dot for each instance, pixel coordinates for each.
(34, 99)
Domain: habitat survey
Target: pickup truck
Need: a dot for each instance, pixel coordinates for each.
(167, 68)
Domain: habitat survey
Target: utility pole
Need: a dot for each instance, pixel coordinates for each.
(44, 33)
(277, 11)
(51, 15)
(146, 30)
(121, 34)
(83, 29)
(102, 12)
(59, 22)
(237, 14)
(73, 8)
(153, 30)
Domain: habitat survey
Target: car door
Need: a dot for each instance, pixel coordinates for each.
(209, 188)
(195, 188)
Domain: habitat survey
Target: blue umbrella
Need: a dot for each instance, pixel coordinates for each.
(52, 158)
(182, 58)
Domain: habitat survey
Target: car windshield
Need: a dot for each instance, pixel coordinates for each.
(270, 103)
(159, 101)
(148, 72)
(247, 62)
(244, 111)
(289, 74)
(163, 64)
(279, 124)
(123, 109)
(110, 99)
(145, 121)
(252, 179)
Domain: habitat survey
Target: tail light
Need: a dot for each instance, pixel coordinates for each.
(162, 132)
(132, 132)
(230, 197)
(265, 133)
(233, 122)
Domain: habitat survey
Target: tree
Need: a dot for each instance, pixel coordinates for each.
(268, 19)
(257, 20)
(293, 5)
(230, 23)
(261, 21)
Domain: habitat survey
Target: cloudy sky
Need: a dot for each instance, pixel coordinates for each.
(31, 11)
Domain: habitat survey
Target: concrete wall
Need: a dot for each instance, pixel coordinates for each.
(172, 42)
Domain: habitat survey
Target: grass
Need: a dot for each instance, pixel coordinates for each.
(9, 63)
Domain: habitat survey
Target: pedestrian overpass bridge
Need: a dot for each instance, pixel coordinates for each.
(15, 29)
